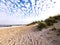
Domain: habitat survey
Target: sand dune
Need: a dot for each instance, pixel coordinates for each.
(28, 35)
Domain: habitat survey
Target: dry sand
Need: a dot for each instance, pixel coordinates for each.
(28, 35)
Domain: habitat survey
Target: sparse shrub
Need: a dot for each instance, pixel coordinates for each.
(50, 21)
(58, 32)
(32, 23)
(53, 29)
(38, 21)
(57, 17)
(41, 25)
(41, 21)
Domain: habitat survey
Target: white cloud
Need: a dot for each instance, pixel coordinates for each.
(10, 15)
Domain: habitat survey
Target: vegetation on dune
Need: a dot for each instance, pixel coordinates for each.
(50, 21)
(41, 25)
(53, 29)
(57, 17)
(33, 23)
(58, 32)
(46, 23)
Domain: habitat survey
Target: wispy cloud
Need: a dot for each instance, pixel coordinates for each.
(25, 11)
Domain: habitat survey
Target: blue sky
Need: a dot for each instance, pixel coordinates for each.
(26, 11)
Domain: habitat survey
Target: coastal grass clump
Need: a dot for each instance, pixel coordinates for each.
(50, 21)
(33, 23)
(53, 29)
(41, 25)
(58, 32)
(57, 17)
